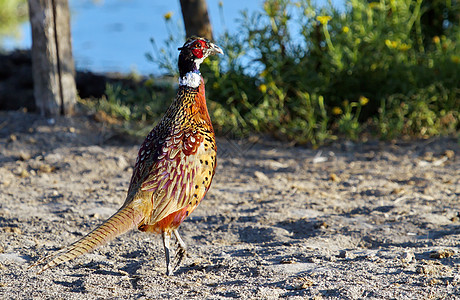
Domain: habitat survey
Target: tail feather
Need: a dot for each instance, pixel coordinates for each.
(122, 221)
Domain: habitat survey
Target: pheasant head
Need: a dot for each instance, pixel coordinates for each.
(192, 54)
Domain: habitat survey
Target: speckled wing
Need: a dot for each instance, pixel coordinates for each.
(182, 174)
(152, 150)
(146, 159)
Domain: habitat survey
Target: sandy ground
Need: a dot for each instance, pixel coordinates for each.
(350, 221)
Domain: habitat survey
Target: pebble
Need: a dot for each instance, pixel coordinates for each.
(346, 254)
(427, 269)
(14, 230)
(308, 283)
(407, 257)
(24, 156)
(449, 154)
(23, 173)
(95, 215)
(442, 253)
(293, 268)
(435, 281)
(45, 168)
(334, 177)
(261, 176)
(5, 182)
(121, 162)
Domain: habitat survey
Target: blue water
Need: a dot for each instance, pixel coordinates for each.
(114, 35)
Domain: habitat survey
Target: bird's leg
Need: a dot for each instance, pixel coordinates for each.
(181, 243)
(181, 249)
(166, 240)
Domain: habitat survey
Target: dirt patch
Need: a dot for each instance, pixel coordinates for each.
(350, 221)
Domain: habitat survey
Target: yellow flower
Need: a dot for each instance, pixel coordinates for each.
(263, 88)
(363, 100)
(374, 5)
(336, 110)
(404, 47)
(168, 15)
(345, 29)
(221, 3)
(391, 44)
(323, 19)
(455, 59)
(436, 39)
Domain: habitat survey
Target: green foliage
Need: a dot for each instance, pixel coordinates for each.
(371, 67)
(311, 74)
(12, 13)
(425, 112)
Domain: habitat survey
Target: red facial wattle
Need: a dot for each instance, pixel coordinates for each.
(198, 47)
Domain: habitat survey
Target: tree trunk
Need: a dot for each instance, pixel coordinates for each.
(196, 18)
(53, 67)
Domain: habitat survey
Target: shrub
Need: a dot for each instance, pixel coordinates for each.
(310, 74)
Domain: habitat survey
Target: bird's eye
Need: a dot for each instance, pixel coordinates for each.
(198, 45)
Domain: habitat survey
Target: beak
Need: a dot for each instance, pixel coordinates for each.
(214, 49)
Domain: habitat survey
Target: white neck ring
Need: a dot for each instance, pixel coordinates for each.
(191, 79)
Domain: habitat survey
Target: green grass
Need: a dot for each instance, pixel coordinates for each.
(133, 110)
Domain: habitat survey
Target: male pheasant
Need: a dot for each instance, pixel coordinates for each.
(173, 170)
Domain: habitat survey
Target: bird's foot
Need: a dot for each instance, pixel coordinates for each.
(180, 254)
(181, 249)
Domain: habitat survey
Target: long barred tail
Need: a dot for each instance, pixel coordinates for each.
(122, 221)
